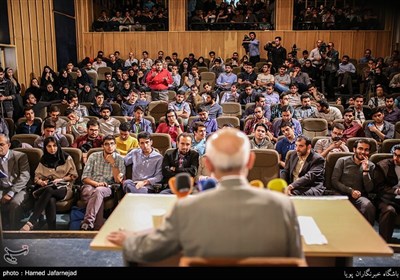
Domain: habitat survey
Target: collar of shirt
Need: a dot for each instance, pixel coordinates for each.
(6, 157)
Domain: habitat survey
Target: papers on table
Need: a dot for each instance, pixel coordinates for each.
(310, 231)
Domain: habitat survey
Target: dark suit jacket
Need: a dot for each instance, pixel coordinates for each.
(385, 179)
(311, 177)
(171, 159)
(18, 172)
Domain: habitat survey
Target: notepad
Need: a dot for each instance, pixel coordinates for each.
(3, 175)
(310, 231)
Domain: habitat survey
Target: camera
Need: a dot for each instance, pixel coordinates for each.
(269, 46)
(86, 146)
(322, 48)
(295, 49)
(245, 43)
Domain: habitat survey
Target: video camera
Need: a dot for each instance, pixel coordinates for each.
(295, 49)
(270, 45)
(322, 48)
(86, 146)
(246, 43)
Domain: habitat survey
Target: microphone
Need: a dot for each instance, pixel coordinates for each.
(181, 185)
(207, 184)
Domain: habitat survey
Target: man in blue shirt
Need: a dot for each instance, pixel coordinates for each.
(254, 48)
(146, 166)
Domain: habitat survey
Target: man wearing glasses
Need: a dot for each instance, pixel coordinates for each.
(387, 180)
(102, 170)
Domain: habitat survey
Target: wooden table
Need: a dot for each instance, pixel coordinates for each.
(346, 230)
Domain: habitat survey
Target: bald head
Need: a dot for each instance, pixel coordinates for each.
(228, 150)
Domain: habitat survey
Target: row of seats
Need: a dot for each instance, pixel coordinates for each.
(161, 141)
(265, 169)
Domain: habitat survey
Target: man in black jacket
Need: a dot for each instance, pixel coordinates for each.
(181, 159)
(387, 181)
(304, 170)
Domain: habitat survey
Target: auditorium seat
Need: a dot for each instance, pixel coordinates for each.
(387, 145)
(330, 166)
(266, 166)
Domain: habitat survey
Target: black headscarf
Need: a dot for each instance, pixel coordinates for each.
(53, 161)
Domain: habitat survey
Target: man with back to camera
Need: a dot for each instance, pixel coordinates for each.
(197, 226)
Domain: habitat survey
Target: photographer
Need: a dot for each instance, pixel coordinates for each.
(330, 64)
(334, 144)
(254, 48)
(53, 176)
(91, 139)
(276, 53)
(315, 54)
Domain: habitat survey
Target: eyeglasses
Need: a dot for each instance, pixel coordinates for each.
(396, 155)
(257, 111)
(109, 144)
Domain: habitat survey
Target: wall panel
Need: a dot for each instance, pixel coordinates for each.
(200, 43)
(32, 33)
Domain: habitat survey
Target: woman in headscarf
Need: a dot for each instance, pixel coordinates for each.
(65, 80)
(10, 76)
(54, 176)
(48, 76)
(82, 79)
(35, 89)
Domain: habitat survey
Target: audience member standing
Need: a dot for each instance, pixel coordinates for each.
(158, 80)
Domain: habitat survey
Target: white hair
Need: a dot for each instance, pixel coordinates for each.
(228, 161)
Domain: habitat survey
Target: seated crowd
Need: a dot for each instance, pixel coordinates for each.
(114, 119)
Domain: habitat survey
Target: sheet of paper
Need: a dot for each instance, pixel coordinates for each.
(310, 231)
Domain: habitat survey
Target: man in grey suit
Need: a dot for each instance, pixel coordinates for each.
(12, 186)
(304, 170)
(231, 220)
